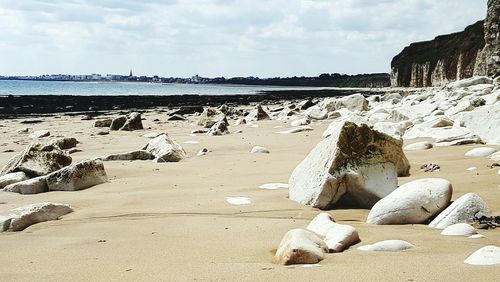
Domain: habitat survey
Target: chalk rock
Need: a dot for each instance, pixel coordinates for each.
(11, 178)
(205, 118)
(36, 213)
(419, 146)
(489, 255)
(387, 246)
(78, 176)
(134, 122)
(300, 246)
(274, 186)
(355, 164)
(393, 129)
(306, 104)
(30, 186)
(165, 149)
(485, 122)
(300, 122)
(176, 117)
(462, 210)
(259, 150)
(219, 128)
(257, 114)
(118, 123)
(470, 82)
(64, 143)
(340, 237)
(495, 157)
(321, 224)
(316, 113)
(412, 203)
(459, 229)
(130, 156)
(37, 160)
(103, 123)
(238, 201)
(39, 134)
(355, 102)
(202, 152)
(480, 152)
(296, 130)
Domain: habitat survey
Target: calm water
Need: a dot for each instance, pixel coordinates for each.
(21, 87)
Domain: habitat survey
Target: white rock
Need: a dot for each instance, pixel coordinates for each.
(11, 178)
(393, 129)
(419, 146)
(257, 114)
(476, 236)
(387, 246)
(219, 128)
(30, 186)
(300, 122)
(259, 150)
(412, 203)
(36, 213)
(165, 149)
(153, 135)
(462, 210)
(202, 152)
(485, 122)
(354, 102)
(296, 130)
(321, 224)
(354, 164)
(459, 229)
(340, 237)
(470, 82)
(78, 176)
(274, 186)
(39, 134)
(495, 157)
(472, 168)
(300, 246)
(480, 152)
(489, 255)
(238, 201)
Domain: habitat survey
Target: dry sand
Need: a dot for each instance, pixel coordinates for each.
(171, 221)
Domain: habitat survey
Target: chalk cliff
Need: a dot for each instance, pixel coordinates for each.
(474, 51)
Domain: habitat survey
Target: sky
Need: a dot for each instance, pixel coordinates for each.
(211, 38)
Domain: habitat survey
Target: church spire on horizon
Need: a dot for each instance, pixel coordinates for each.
(130, 73)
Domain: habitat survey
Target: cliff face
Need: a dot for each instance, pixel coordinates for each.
(474, 51)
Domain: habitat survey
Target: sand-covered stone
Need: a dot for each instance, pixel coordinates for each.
(387, 246)
(412, 203)
(64, 143)
(36, 213)
(11, 178)
(129, 156)
(419, 146)
(30, 186)
(459, 229)
(480, 152)
(133, 122)
(340, 237)
(165, 149)
(259, 150)
(355, 164)
(488, 255)
(321, 224)
(37, 160)
(300, 246)
(463, 210)
(81, 175)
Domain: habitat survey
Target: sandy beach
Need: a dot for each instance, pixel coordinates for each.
(171, 221)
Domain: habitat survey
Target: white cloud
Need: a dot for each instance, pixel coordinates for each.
(220, 37)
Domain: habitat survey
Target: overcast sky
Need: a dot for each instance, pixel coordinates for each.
(220, 37)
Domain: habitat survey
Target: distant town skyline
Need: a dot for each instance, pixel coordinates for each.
(214, 38)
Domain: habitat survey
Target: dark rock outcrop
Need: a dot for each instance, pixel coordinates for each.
(474, 51)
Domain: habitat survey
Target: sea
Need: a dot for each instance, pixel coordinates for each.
(28, 87)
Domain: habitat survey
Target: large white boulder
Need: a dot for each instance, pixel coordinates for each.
(412, 203)
(387, 246)
(78, 176)
(489, 255)
(355, 164)
(470, 82)
(165, 149)
(37, 160)
(462, 210)
(36, 213)
(459, 229)
(30, 186)
(13, 177)
(354, 102)
(300, 246)
(485, 122)
(480, 152)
